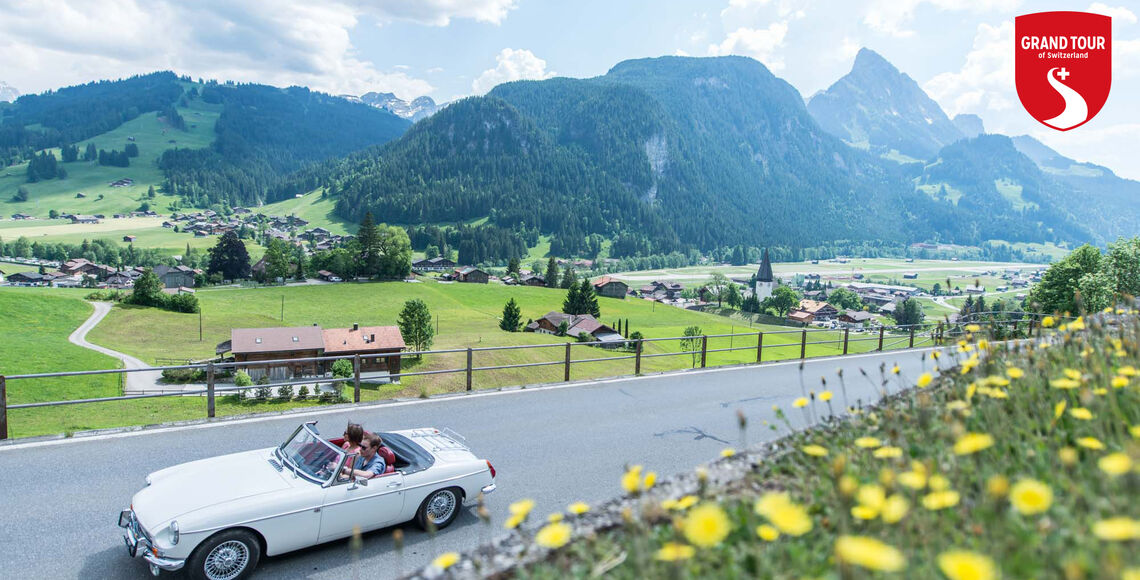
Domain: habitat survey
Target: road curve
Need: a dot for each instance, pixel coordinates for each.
(137, 383)
(555, 444)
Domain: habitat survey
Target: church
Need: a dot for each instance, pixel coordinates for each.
(765, 282)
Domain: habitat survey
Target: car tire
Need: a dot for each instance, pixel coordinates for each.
(442, 505)
(226, 555)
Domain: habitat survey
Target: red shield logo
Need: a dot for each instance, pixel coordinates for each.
(1064, 66)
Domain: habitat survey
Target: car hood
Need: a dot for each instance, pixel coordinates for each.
(182, 489)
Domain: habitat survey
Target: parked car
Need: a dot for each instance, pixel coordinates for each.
(216, 517)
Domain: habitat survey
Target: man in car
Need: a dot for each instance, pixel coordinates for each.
(369, 463)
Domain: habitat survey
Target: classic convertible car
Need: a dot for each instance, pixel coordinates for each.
(216, 517)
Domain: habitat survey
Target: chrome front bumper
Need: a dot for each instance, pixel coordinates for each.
(137, 541)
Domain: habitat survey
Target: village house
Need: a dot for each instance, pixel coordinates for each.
(175, 276)
(301, 342)
(367, 341)
(27, 279)
(575, 325)
(22, 216)
(818, 310)
(328, 276)
(532, 280)
(470, 274)
(437, 264)
(84, 219)
(658, 290)
(610, 287)
(856, 317)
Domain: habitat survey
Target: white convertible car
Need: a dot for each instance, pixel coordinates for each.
(216, 517)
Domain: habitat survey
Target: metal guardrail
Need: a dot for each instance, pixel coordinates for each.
(911, 336)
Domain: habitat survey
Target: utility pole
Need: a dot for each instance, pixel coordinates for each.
(199, 323)
(282, 308)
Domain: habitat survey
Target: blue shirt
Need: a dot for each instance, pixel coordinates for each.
(375, 465)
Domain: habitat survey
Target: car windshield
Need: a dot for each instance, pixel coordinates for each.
(311, 455)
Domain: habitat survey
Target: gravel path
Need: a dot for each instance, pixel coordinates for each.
(137, 383)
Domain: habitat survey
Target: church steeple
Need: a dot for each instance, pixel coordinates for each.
(764, 274)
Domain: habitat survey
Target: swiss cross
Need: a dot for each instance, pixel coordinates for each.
(1064, 74)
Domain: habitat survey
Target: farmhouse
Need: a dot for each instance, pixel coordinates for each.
(301, 342)
(658, 290)
(470, 274)
(611, 287)
(575, 325)
(818, 310)
(856, 317)
(22, 216)
(84, 219)
(367, 341)
(433, 265)
(27, 279)
(176, 276)
(532, 280)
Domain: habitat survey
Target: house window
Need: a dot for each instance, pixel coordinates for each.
(295, 339)
(257, 340)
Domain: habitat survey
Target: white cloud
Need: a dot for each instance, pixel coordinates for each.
(894, 17)
(1117, 13)
(280, 42)
(680, 52)
(513, 65)
(761, 44)
(986, 80)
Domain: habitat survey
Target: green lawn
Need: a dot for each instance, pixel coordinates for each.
(148, 231)
(12, 267)
(152, 136)
(319, 212)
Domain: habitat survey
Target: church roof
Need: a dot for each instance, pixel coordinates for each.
(764, 274)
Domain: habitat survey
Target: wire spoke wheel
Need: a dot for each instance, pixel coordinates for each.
(227, 560)
(441, 506)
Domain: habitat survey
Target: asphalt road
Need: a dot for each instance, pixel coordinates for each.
(60, 499)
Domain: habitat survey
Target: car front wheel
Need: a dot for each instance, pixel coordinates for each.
(227, 555)
(440, 508)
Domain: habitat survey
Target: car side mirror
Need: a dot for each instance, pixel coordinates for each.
(358, 481)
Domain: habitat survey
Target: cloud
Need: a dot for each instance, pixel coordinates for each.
(760, 44)
(1117, 13)
(51, 43)
(893, 17)
(986, 80)
(439, 12)
(513, 65)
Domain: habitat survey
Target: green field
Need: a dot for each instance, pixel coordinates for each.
(12, 267)
(152, 136)
(467, 317)
(312, 207)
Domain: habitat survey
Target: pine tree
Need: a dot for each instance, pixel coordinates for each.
(513, 266)
(368, 236)
(573, 301)
(568, 278)
(552, 273)
(589, 299)
(512, 316)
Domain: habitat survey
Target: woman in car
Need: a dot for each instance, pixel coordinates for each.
(353, 437)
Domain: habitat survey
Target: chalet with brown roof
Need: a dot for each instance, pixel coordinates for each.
(575, 325)
(437, 264)
(471, 274)
(856, 317)
(818, 310)
(532, 280)
(367, 341)
(266, 344)
(610, 287)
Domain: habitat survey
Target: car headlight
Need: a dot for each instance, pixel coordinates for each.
(174, 533)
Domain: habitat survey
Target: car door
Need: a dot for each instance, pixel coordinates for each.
(370, 506)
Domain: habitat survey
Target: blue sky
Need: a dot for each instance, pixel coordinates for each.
(959, 51)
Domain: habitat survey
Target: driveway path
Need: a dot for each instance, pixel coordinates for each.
(137, 383)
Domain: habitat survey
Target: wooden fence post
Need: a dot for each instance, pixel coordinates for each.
(803, 344)
(566, 374)
(210, 391)
(3, 407)
(637, 359)
(704, 349)
(469, 371)
(882, 329)
(759, 347)
(1030, 333)
(911, 337)
(356, 378)
(846, 335)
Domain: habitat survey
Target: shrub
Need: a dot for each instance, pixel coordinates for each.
(263, 393)
(187, 303)
(264, 380)
(303, 393)
(285, 392)
(342, 368)
(584, 337)
(242, 379)
(181, 376)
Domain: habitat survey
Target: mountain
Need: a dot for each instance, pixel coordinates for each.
(8, 93)
(419, 108)
(661, 155)
(877, 107)
(1117, 213)
(970, 125)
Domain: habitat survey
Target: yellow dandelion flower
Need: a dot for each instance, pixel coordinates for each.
(888, 452)
(998, 381)
(1048, 322)
(970, 390)
(937, 355)
(1068, 455)
(578, 508)
(1127, 371)
(826, 396)
(514, 521)
(687, 502)
(1090, 443)
(555, 517)
(995, 393)
(867, 442)
(674, 552)
(800, 402)
(957, 405)
(1078, 324)
(650, 479)
(913, 479)
(767, 533)
(1081, 413)
(983, 344)
(1064, 383)
(1117, 529)
(521, 507)
(973, 327)
(895, 509)
(1130, 573)
(631, 481)
(768, 503)
(895, 370)
(445, 560)
(1119, 382)
(553, 535)
(814, 450)
(706, 526)
(924, 380)
(973, 443)
(727, 452)
(1115, 464)
(1030, 496)
(963, 565)
(791, 519)
(938, 483)
(997, 486)
(862, 512)
(886, 477)
(1014, 373)
(669, 504)
(940, 500)
(1134, 431)
(1100, 391)
(1059, 409)
(1072, 374)
(847, 485)
(869, 553)
(872, 496)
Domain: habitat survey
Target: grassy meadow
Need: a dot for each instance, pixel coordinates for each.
(1023, 464)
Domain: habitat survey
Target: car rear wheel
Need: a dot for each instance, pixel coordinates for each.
(227, 555)
(440, 508)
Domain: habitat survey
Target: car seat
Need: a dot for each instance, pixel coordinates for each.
(389, 459)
